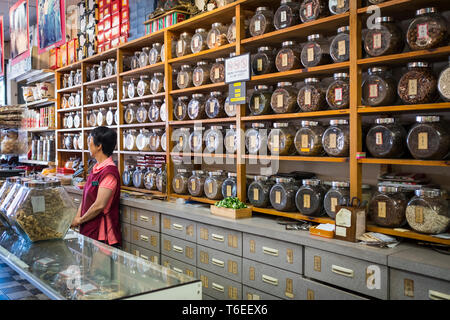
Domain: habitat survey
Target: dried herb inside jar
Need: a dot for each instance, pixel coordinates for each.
(308, 139)
(387, 207)
(281, 139)
(418, 85)
(340, 45)
(311, 10)
(386, 139)
(217, 73)
(263, 61)
(284, 98)
(338, 92)
(336, 139)
(378, 88)
(288, 57)
(287, 14)
(311, 96)
(260, 101)
(428, 30)
(261, 22)
(387, 39)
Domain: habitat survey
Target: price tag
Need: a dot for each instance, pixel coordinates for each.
(373, 91)
(181, 141)
(230, 142)
(180, 46)
(419, 214)
(280, 101)
(182, 79)
(213, 38)
(38, 204)
(338, 94)
(212, 140)
(180, 110)
(197, 76)
(340, 4)
(195, 141)
(334, 202)
(306, 201)
(276, 143)
(284, 60)
(277, 197)
(153, 113)
(256, 194)
(211, 107)
(210, 188)
(412, 87)
(283, 17)
(333, 140)
(259, 64)
(228, 191)
(196, 42)
(422, 31)
(376, 41)
(379, 138)
(304, 141)
(252, 142)
(341, 48)
(311, 53)
(423, 141)
(193, 184)
(216, 73)
(257, 103)
(382, 209)
(257, 25)
(308, 97)
(309, 10)
(177, 183)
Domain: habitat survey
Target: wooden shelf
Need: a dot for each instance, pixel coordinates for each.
(70, 67)
(99, 105)
(154, 192)
(42, 129)
(102, 56)
(219, 52)
(150, 96)
(405, 108)
(68, 109)
(104, 80)
(39, 103)
(70, 130)
(293, 215)
(192, 198)
(407, 234)
(203, 155)
(42, 163)
(69, 150)
(287, 116)
(205, 88)
(408, 162)
(193, 122)
(147, 69)
(401, 8)
(145, 41)
(92, 128)
(143, 153)
(142, 125)
(296, 158)
(70, 89)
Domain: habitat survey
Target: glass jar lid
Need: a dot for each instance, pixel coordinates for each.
(185, 34)
(314, 36)
(144, 77)
(384, 19)
(198, 172)
(216, 24)
(280, 125)
(307, 123)
(197, 95)
(264, 48)
(216, 127)
(202, 63)
(284, 84)
(158, 74)
(425, 119)
(232, 174)
(261, 178)
(343, 29)
(215, 173)
(220, 60)
(181, 170)
(311, 182)
(312, 80)
(183, 98)
(388, 189)
(261, 87)
(338, 121)
(258, 125)
(262, 9)
(200, 30)
(288, 43)
(418, 64)
(340, 184)
(377, 69)
(284, 180)
(430, 193)
(384, 120)
(340, 75)
(215, 93)
(426, 10)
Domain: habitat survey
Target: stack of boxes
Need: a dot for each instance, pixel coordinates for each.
(87, 37)
(113, 23)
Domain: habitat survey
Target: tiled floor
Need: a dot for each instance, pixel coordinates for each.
(14, 287)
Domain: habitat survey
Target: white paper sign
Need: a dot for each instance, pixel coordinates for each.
(237, 68)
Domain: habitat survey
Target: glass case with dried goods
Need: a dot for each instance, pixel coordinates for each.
(386, 139)
(259, 191)
(143, 86)
(287, 14)
(143, 140)
(138, 177)
(184, 77)
(199, 40)
(338, 6)
(263, 61)
(77, 78)
(231, 32)
(144, 56)
(443, 83)
(180, 181)
(110, 68)
(340, 45)
(201, 74)
(7, 186)
(379, 87)
(161, 180)
(155, 140)
(214, 105)
(428, 30)
(93, 72)
(311, 96)
(184, 44)
(335, 196)
(131, 90)
(309, 197)
(127, 175)
(71, 79)
(284, 98)
(111, 92)
(180, 109)
(130, 114)
(214, 139)
(256, 139)
(418, 85)
(77, 102)
(316, 51)
(288, 57)
(260, 101)
(130, 140)
(217, 72)
(150, 178)
(217, 36)
(387, 39)
(71, 100)
(196, 183)
(101, 117)
(261, 22)
(65, 101)
(338, 92)
(427, 212)
(308, 139)
(154, 110)
(311, 10)
(94, 92)
(196, 142)
(155, 53)
(336, 138)
(8, 201)
(387, 207)
(429, 138)
(230, 140)
(10, 142)
(213, 185)
(281, 139)
(69, 120)
(101, 94)
(282, 194)
(196, 107)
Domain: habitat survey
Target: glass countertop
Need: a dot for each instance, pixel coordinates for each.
(79, 268)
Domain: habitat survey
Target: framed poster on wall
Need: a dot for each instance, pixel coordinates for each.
(50, 24)
(2, 48)
(19, 31)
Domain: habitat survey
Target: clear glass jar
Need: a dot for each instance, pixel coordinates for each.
(230, 139)
(231, 32)
(110, 117)
(443, 83)
(155, 140)
(230, 109)
(143, 86)
(429, 138)
(387, 207)
(338, 6)
(309, 197)
(217, 36)
(281, 139)
(181, 137)
(127, 175)
(94, 72)
(65, 101)
(71, 79)
(153, 111)
(66, 80)
(184, 44)
(155, 53)
(261, 22)
(418, 85)
(201, 74)
(316, 51)
(213, 185)
(388, 39)
(340, 45)
(111, 92)
(196, 107)
(101, 70)
(161, 180)
(143, 140)
(256, 138)
(259, 191)
(125, 85)
(7, 186)
(144, 57)
(77, 119)
(163, 142)
(116, 115)
(71, 100)
(184, 77)
(311, 10)
(427, 212)
(260, 101)
(336, 138)
(180, 109)
(110, 69)
(214, 139)
(428, 30)
(101, 94)
(196, 183)
(130, 114)
(135, 60)
(138, 177)
(311, 96)
(338, 92)
(196, 142)
(217, 71)
(131, 90)
(334, 197)
(386, 139)
(214, 105)
(150, 178)
(77, 102)
(379, 88)
(199, 40)
(284, 98)
(163, 111)
(68, 141)
(263, 61)
(77, 78)
(287, 14)
(157, 83)
(69, 120)
(130, 140)
(288, 57)
(180, 182)
(282, 194)
(308, 139)
(91, 118)
(229, 186)
(141, 112)
(8, 199)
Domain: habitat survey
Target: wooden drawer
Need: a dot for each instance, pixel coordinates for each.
(177, 227)
(221, 263)
(312, 290)
(126, 231)
(284, 255)
(145, 238)
(354, 274)
(218, 287)
(145, 219)
(206, 297)
(145, 254)
(253, 294)
(412, 286)
(126, 246)
(125, 214)
(179, 266)
(280, 283)
(220, 238)
(179, 249)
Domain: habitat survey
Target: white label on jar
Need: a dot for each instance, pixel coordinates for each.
(257, 25)
(334, 202)
(211, 107)
(252, 142)
(182, 79)
(306, 201)
(309, 10)
(153, 56)
(283, 17)
(195, 141)
(276, 143)
(228, 191)
(305, 141)
(373, 91)
(423, 141)
(193, 184)
(99, 119)
(340, 4)
(196, 42)
(109, 118)
(376, 41)
(216, 73)
(341, 231)
(212, 141)
(255, 194)
(180, 110)
(177, 183)
(210, 189)
(153, 141)
(418, 215)
(311, 53)
(308, 97)
(341, 48)
(180, 46)
(280, 101)
(230, 142)
(155, 87)
(38, 204)
(257, 103)
(213, 38)
(338, 94)
(379, 138)
(412, 87)
(382, 209)
(284, 60)
(333, 140)
(181, 141)
(197, 76)
(422, 31)
(153, 113)
(277, 197)
(259, 64)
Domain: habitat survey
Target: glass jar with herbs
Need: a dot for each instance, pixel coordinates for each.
(309, 197)
(281, 139)
(184, 44)
(154, 110)
(338, 92)
(259, 191)
(387, 207)
(311, 96)
(256, 139)
(199, 40)
(217, 72)
(418, 85)
(214, 105)
(284, 98)
(308, 139)
(282, 194)
(379, 88)
(213, 185)
(196, 107)
(201, 74)
(287, 14)
(288, 57)
(428, 30)
(316, 51)
(336, 138)
(217, 36)
(196, 183)
(336, 195)
(260, 101)
(311, 10)
(340, 45)
(386, 139)
(184, 77)
(263, 61)
(387, 39)
(214, 139)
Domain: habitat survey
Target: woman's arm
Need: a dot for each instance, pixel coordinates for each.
(77, 217)
(97, 207)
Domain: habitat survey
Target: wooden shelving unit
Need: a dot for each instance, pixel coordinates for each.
(243, 9)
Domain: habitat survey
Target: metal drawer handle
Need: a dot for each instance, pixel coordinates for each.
(436, 295)
(177, 270)
(144, 257)
(342, 271)
(144, 238)
(177, 226)
(218, 237)
(270, 251)
(218, 262)
(144, 218)
(177, 249)
(270, 280)
(218, 287)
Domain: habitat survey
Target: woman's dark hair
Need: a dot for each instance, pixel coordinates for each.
(106, 137)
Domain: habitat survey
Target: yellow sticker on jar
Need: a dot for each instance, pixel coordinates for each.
(310, 54)
(259, 64)
(277, 197)
(423, 141)
(284, 60)
(382, 209)
(216, 73)
(256, 194)
(193, 184)
(334, 202)
(333, 141)
(412, 87)
(306, 201)
(342, 48)
(308, 97)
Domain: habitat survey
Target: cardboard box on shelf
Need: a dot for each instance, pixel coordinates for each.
(101, 47)
(101, 15)
(100, 26)
(115, 6)
(63, 54)
(115, 32)
(125, 4)
(124, 29)
(107, 35)
(101, 4)
(123, 39)
(107, 45)
(53, 58)
(115, 20)
(115, 42)
(71, 51)
(107, 23)
(106, 10)
(101, 37)
(125, 14)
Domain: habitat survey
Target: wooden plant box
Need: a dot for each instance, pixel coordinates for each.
(232, 213)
